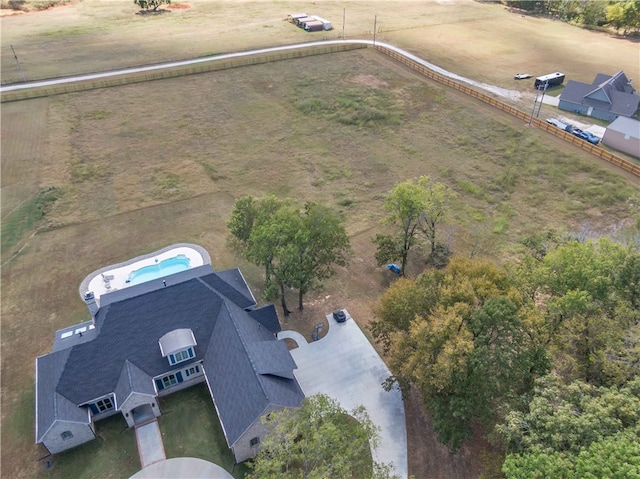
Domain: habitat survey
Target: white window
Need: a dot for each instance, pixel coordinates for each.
(181, 356)
(66, 435)
(169, 380)
(192, 370)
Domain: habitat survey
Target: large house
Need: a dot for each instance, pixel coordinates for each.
(149, 340)
(607, 97)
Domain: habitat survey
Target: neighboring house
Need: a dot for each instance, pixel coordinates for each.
(607, 98)
(158, 337)
(624, 135)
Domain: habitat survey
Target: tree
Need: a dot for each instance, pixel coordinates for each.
(574, 431)
(318, 440)
(259, 229)
(151, 4)
(321, 243)
(616, 456)
(296, 249)
(615, 15)
(413, 208)
(624, 14)
(270, 245)
(459, 335)
(584, 295)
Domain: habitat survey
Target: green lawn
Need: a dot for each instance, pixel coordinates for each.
(190, 428)
(113, 454)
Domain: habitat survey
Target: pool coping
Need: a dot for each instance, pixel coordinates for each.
(84, 285)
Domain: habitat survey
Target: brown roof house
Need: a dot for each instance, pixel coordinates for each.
(152, 339)
(607, 98)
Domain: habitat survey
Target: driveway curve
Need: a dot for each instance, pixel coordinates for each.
(345, 366)
(503, 92)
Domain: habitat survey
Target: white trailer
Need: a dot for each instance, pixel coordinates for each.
(326, 24)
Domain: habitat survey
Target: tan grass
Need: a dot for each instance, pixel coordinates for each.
(143, 166)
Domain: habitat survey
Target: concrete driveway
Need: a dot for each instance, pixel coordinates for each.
(346, 367)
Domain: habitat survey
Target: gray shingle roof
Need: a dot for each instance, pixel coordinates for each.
(130, 329)
(247, 368)
(232, 285)
(626, 126)
(268, 317)
(608, 93)
(236, 357)
(132, 379)
(50, 405)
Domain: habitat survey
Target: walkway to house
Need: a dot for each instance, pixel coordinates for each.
(150, 445)
(345, 366)
(297, 337)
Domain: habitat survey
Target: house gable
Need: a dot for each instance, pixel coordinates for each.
(63, 435)
(607, 97)
(599, 94)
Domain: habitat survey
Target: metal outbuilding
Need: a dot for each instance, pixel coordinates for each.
(623, 134)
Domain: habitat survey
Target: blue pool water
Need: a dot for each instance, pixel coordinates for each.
(159, 270)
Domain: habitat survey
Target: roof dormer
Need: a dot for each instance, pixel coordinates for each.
(177, 345)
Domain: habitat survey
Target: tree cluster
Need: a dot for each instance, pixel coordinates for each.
(298, 249)
(475, 338)
(461, 335)
(415, 210)
(319, 440)
(617, 14)
(574, 431)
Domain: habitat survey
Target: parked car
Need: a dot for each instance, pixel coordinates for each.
(591, 138)
(579, 133)
(339, 316)
(521, 76)
(586, 135)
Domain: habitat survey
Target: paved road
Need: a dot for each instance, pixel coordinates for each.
(345, 366)
(503, 92)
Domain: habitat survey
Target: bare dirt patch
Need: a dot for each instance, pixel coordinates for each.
(370, 81)
(178, 6)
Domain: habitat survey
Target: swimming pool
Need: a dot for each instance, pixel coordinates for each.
(163, 268)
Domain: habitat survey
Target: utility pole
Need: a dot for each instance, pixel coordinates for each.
(18, 62)
(535, 102)
(375, 26)
(546, 85)
(344, 16)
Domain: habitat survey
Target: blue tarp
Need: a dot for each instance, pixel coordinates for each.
(394, 267)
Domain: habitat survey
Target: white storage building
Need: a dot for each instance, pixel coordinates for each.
(623, 134)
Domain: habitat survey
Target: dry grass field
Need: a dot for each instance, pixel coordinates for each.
(142, 166)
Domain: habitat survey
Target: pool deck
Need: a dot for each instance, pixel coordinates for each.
(113, 277)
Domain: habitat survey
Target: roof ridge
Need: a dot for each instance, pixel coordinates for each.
(245, 346)
(217, 275)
